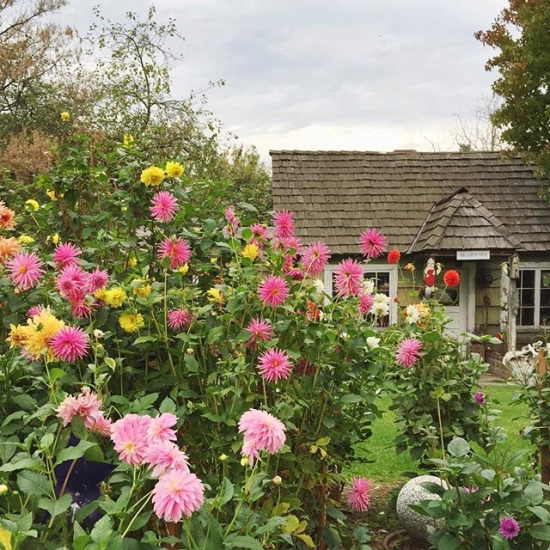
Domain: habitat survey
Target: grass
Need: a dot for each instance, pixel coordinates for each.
(377, 459)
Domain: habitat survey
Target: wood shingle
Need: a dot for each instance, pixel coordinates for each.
(421, 201)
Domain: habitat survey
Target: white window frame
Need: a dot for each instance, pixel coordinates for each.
(370, 268)
(538, 268)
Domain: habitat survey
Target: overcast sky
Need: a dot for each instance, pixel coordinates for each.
(328, 74)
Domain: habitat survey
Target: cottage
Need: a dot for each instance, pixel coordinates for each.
(479, 213)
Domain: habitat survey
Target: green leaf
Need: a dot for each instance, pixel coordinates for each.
(448, 542)
(103, 530)
(167, 406)
(191, 363)
(56, 507)
(140, 521)
(243, 542)
(33, 483)
(351, 398)
(72, 453)
(225, 493)
(540, 512)
(307, 540)
(458, 447)
(26, 463)
(56, 374)
(215, 334)
(145, 339)
(540, 532)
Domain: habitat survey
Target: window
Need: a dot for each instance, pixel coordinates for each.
(534, 297)
(384, 278)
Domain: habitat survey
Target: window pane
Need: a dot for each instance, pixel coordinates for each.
(527, 316)
(527, 278)
(381, 281)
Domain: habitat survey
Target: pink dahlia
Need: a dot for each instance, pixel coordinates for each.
(358, 496)
(165, 457)
(274, 364)
(96, 280)
(284, 224)
(160, 428)
(130, 438)
(233, 223)
(164, 206)
(408, 352)
(349, 278)
(179, 318)
(262, 432)
(259, 233)
(479, 397)
(259, 329)
(68, 409)
(70, 344)
(372, 243)
(177, 494)
(366, 301)
(81, 309)
(315, 257)
(101, 426)
(66, 254)
(88, 406)
(509, 528)
(34, 310)
(177, 250)
(273, 291)
(72, 282)
(25, 269)
(231, 217)
(289, 246)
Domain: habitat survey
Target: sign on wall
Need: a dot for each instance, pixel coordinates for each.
(473, 255)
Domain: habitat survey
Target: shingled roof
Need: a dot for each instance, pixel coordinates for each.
(459, 222)
(421, 201)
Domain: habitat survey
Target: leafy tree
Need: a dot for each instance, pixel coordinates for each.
(31, 52)
(520, 34)
(119, 83)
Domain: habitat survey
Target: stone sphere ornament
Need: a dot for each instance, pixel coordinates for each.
(415, 524)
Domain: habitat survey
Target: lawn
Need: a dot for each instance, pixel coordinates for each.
(377, 459)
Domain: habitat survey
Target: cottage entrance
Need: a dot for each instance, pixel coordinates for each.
(457, 301)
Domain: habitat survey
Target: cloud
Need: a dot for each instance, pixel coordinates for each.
(324, 74)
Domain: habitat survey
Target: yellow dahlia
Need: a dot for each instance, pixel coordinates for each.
(17, 337)
(32, 204)
(152, 176)
(115, 297)
(131, 322)
(251, 251)
(174, 169)
(39, 331)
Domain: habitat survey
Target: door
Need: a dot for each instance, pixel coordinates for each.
(456, 301)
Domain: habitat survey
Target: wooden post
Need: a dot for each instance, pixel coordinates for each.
(542, 367)
(322, 514)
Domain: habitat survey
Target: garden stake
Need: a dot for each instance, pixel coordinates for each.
(322, 515)
(545, 432)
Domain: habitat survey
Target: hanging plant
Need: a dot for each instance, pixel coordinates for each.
(484, 277)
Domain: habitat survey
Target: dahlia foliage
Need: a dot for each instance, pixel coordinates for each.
(195, 355)
(200, 357)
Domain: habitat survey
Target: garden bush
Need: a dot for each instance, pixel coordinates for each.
(141, 337)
